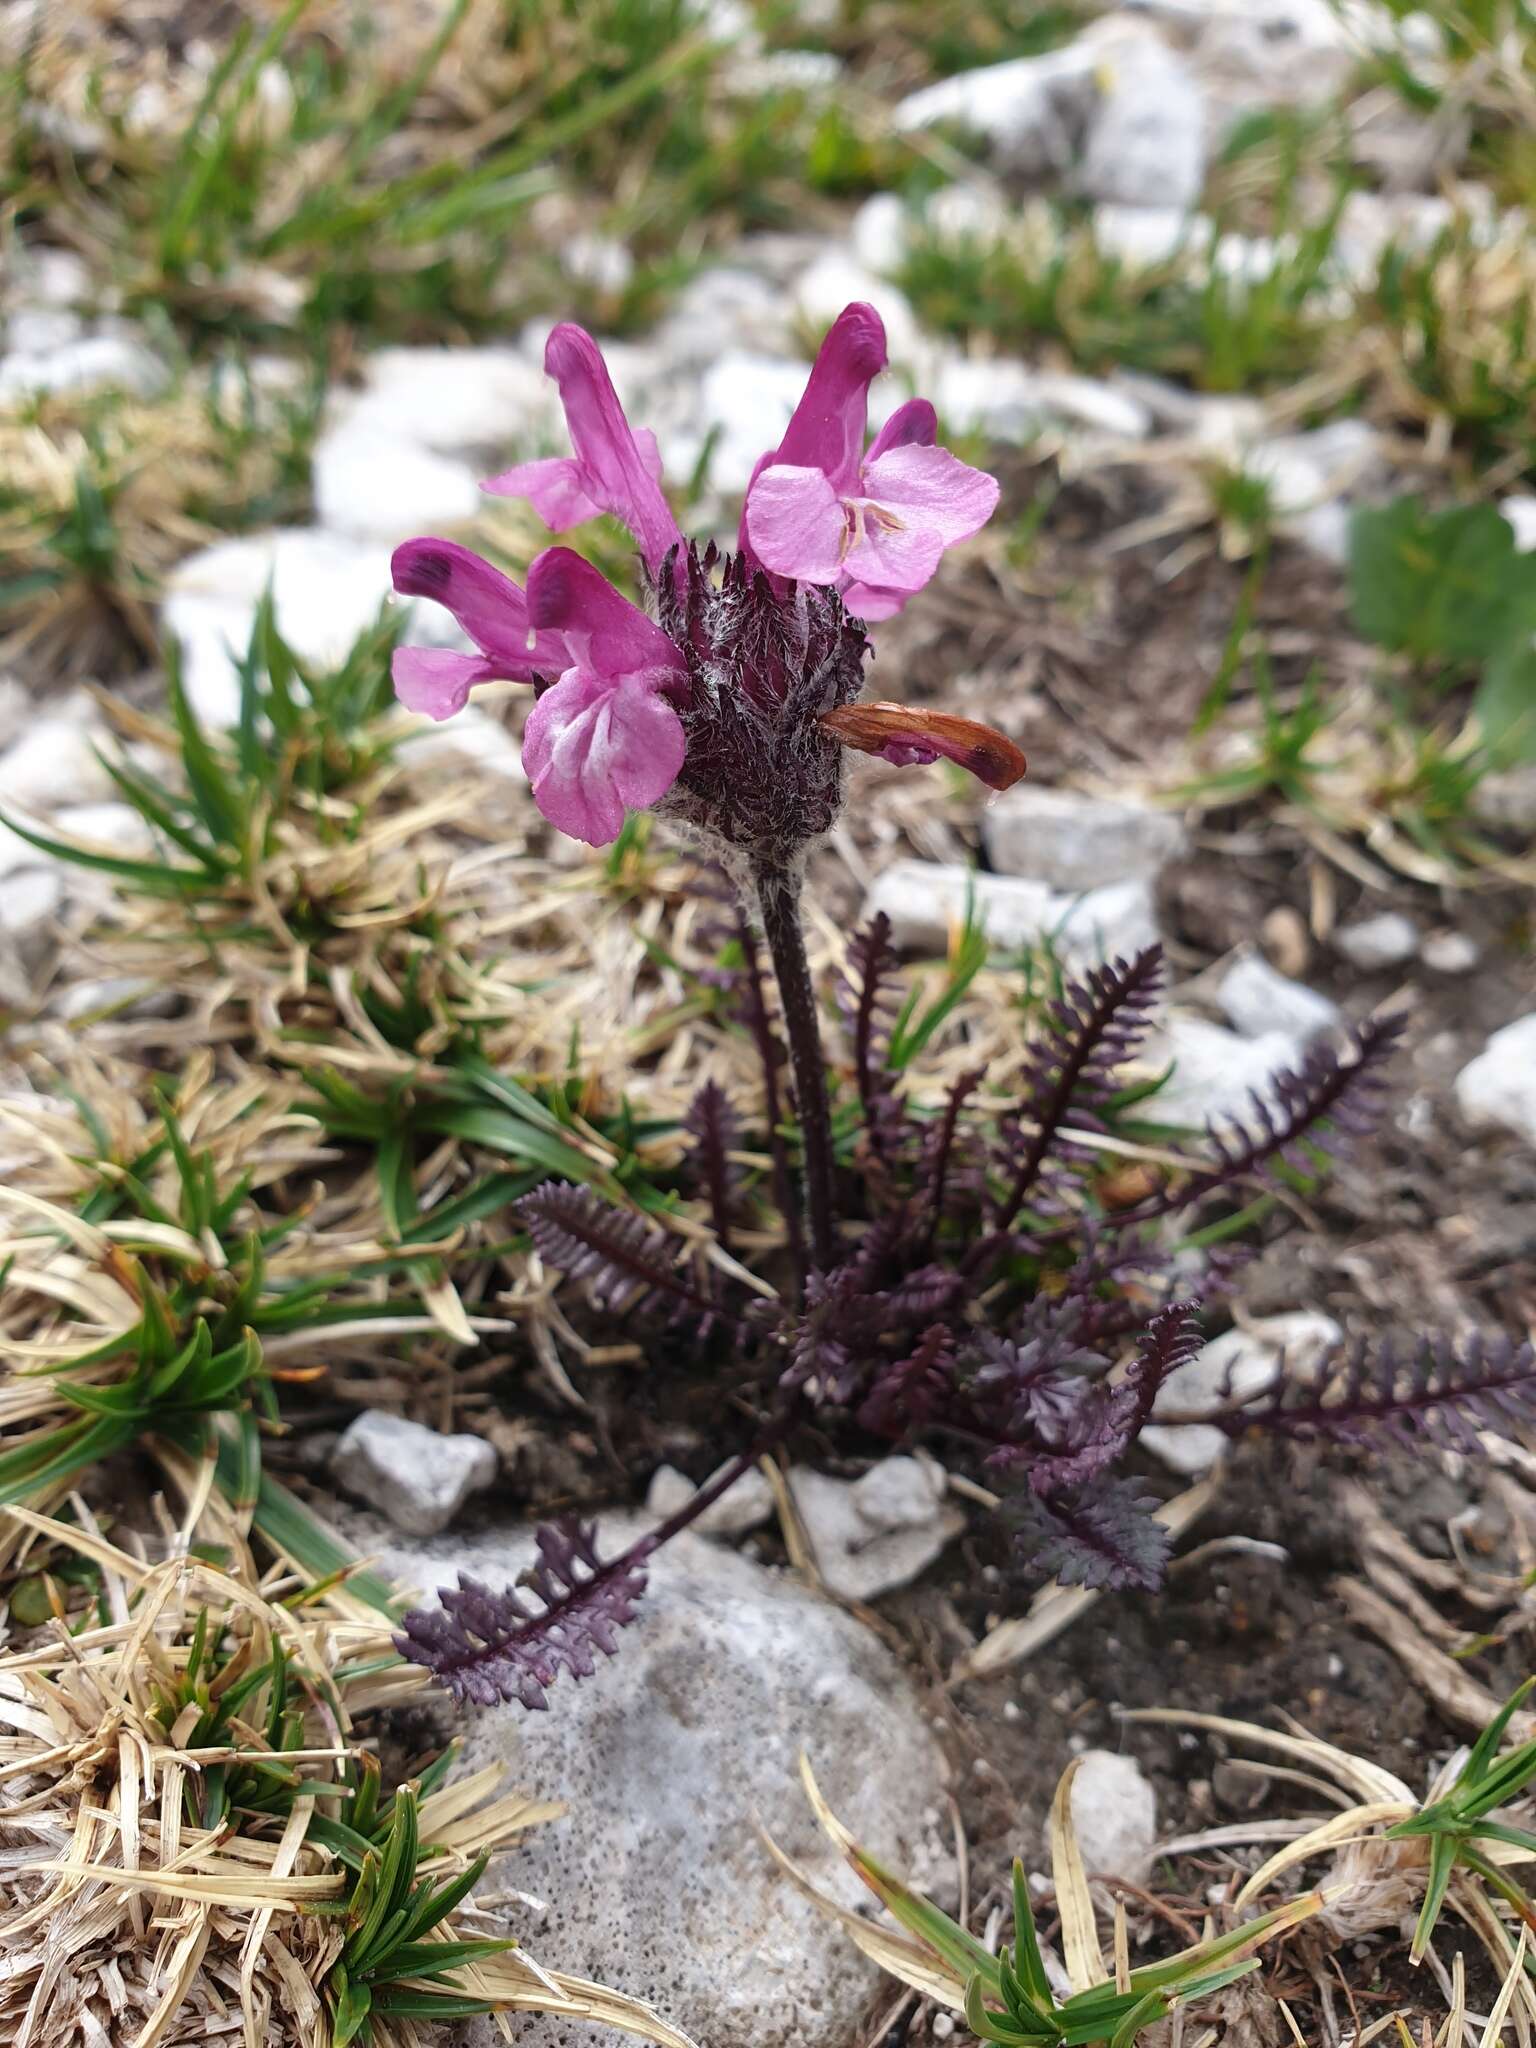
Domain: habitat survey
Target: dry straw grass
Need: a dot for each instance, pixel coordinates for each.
(126, 1921)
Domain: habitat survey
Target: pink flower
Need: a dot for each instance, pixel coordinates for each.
(491, 610)
(614, 468)
(601, 738)
(874, 526)
(732, 713)
(605, 737)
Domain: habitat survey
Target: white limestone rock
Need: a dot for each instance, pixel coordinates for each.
(326, 588)
(877, 1533)
(1388, 939)
(376, 487)
(416, 1478)
(1497, 1090)
(53, 761)
(95, 362)
(1114, 1815)
(1071, 841)
(1215, 1072)
(1256, 999)
(1234, 1367)
(742, 1508)
(926, 900)
(456, 401)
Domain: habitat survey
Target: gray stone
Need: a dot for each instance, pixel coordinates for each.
(598, 260)
(741, 1509)
(96, 362)
(1252, 54)
(1256, 1000)
(1520, 511)
(1370, 223)
(38, 330)
(1114, 1815)
(967, 211)
(1215, 1073)
(470, 736)
(415, 1477)
(1145, 237)
(1307, 469)
(1242, 1363)
(116, 827)
(30, 901)
(54, 762)
(747, 401)
(376, 487)
(669, 1759)
(1386, 940)
(1146, 138)
(55, 278)
(455, 400)
(1450, 952)
(1032, 111)
(1325, 530)
(1072, 841)
(115, 995)
(879, 1532)
(925, 900)
(1117, 113)
(1190, 1449)
(1507, 799)
(878, 232)
(725, 308)
(1010, 401)
(1497, 1090)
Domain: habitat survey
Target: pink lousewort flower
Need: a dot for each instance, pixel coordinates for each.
(731, 709)
(614, 468)
(871, 526)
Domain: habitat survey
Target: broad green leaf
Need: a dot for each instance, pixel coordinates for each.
(1505, 703)
(1440, 586)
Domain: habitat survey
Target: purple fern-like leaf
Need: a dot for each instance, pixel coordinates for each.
(623, 1257)
(915, 1390)
(1443, 1393)
(486, 1646)
(712, 1124)
(1325, 1099)
(1102, 1536)
(1092, 1030)
(1067, 1428)
(869, 1005)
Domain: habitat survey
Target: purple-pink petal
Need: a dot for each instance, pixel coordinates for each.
(932, 489)
(555, 486)
(892, 556)
(826, 431)
(489, 606)
(436, 680)
(913, 425)
(594, 747)
(868, 601)
(606, 634)
(796, 523)
(617, 470)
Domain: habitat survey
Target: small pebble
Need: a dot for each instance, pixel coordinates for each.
(1450, 952)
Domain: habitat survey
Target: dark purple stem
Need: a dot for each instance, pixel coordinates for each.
(768, 1051)
(653, 1539)
(778, 901)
